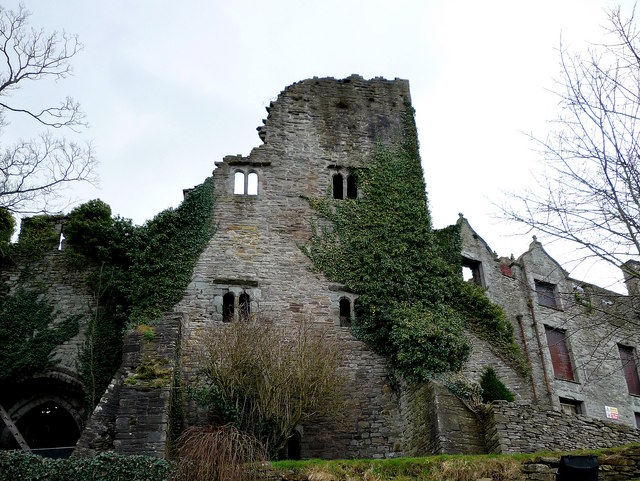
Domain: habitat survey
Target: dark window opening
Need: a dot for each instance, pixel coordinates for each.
(345, 312)
(637, 415)
(630, 369)
(546, 294)
(338, 188)
(571, 406)
(245, 306)
(228, 301)
(48, 428)
(352, 187)
(472, 271)
(560, 358)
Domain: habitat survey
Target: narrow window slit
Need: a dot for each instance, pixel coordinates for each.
(345, 312)
(228, 301)
(352, 187)
(238, 185)
(244, 305)
(338, 188)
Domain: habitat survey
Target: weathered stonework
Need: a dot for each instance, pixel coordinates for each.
(315, 130)
(526, 428)
(594, 322)
(61, 382)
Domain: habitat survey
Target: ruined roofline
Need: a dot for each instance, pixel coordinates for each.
(312, 89)
(535, 244)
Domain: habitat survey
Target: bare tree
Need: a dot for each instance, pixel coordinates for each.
(590, 192)
(34, 171)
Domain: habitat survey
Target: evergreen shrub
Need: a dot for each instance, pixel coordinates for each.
(493, 389)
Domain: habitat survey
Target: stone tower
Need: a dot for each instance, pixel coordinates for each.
(317, 131)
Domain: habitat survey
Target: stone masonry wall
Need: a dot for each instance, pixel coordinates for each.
(66, 291)
(134, 415)
(594, 321)
(455, 428)
(419, 432)
(613, 465)
(525, 428)
(315, 129)
(502, 287)
(61, 382)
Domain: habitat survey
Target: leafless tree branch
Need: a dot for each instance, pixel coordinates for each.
(590, 193)
(34, 171)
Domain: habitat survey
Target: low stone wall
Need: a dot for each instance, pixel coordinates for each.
(524, 428)
(613, 465)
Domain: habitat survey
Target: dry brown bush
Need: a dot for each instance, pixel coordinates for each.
(267, 379)
(217, 453)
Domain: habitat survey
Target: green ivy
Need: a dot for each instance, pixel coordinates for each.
(7, 226)
(413, 305)
(166, 250)
(134, 273)
(38, 236)
(103, 467)
(27, 334)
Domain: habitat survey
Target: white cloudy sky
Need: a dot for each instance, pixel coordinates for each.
(171, 87)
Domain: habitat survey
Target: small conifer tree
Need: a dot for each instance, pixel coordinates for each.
(493, 389)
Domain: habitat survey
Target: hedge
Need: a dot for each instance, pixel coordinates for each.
(104, 467)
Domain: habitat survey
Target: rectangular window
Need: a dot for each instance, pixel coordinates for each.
(630, 369)
(571, 406)
(557, 342)
(472, 271)
(637, 415)
(546, 294)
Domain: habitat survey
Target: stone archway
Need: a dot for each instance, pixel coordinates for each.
(49, 412)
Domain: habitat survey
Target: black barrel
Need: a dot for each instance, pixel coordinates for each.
(578, 468)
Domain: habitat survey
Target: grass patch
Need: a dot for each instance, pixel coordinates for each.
(497, 467)
(432, 468)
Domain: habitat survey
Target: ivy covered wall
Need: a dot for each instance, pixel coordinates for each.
(413, 305)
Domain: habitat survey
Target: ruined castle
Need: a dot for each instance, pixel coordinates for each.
(579, 340)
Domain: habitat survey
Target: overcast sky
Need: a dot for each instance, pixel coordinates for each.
(171, 87)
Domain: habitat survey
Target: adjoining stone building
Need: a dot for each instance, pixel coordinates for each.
(578, 338)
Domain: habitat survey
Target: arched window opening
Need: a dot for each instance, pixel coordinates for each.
(252, 184)
(352, 187)
(49, 427)
(345, 312)
(238, 184)
(245, 306)
(338, 189)
(227, 307)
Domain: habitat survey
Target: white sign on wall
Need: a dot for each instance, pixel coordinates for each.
(611, 412)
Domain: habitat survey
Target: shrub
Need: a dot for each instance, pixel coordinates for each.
(492, 388)
(266, 379)
(104, 467)
(223, 453)
(7, 226)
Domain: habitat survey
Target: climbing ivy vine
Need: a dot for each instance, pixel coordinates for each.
(27, 333)
(134, 273)
(413, 304)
